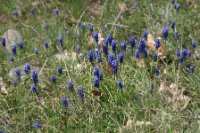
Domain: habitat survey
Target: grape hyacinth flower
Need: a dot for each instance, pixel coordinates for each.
(181, 58)
(173, 25)
(13, 48)
(35, 51)
(78, 36)
(3, 42)
(78, 48)
(11, 58)
(110, 38)
(105, 42)
(90, 55)
(60, 70)
(46, 26)
(132, 41)
(91, 28)
(64, 101)
(152, 88)
(189, 53)
(81, 56)
(155, 56)
(120, 85)
(121, 57)
(99, 57)
(145, 53)
(141, 45)
(96, 81)
(53, 78)
(15, 12)
(1, 131)
(114, 45)
(27, 68)
(142, 48)
(60, 40)
(177, 7)
(178, 53)
(123, 46)
(32, 11)
(96, 49)
(14, 82)
(96, 36)
(134, 7)
(111, 58)
(157, 44)
(56, 11)
(46, 44)
(145, 34)
(100, 75)
(83, 26)
(165, 32)
(96, 71)
(191, 69)
(17, 73)
(37, 125)
(33, 89)
(96, 52)
(157, 72)
(34, 76)
(70, 86)
(176, 36)
(173, 1)
(137, 54)
(193, 44)
(21, 43)
(114, 66)
(105, 50)
(81, 93)
(184, 52)
(105, 27)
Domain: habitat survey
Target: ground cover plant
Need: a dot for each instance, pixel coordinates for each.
(99, 66)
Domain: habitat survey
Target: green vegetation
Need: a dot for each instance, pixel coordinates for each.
(107, 108)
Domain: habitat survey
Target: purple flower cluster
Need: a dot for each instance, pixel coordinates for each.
(81, 93)
(64, 101)
(27, 68)
(114, 45)
(141, 49)
(3, 42)
(183, 54)
(70, 86)
(91, 55)
(132, 41)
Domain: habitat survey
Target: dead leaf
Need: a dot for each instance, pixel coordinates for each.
(141, 63)
(91, 39)
(96, 92)
(94, 8)
(191, 2)
(108, 70)
(79, 66)
(3, 86)
(122, 7)
(172, 94)
(151, 44)
(128, 128)
(65, 55)
(4, 19)
(161, 50)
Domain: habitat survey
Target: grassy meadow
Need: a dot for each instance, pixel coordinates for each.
(93, 66)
